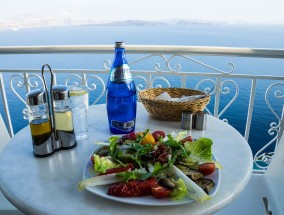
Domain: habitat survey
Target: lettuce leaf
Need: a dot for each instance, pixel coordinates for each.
(133, 175)
(200, 148)
(102, 164)
(176, 136)
(201, 152)
(180, 190)
(140, 174)
(98, 180)
(113, 139)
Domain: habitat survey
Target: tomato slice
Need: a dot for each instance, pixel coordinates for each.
(92, 159)
(160, 192)
(119, 169)
(132, 188)
(206, 168)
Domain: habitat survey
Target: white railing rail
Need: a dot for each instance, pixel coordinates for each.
(146, 49)
(29, 79)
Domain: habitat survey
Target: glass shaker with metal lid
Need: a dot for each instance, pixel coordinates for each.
(64, 129)
(40, 124)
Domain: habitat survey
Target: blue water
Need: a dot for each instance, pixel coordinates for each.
(194, 35)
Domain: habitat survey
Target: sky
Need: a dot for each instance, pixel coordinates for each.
(248, 11)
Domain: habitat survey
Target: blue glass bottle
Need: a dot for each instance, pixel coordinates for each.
(121, 94)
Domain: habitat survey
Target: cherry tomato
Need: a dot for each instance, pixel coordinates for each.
(131, 136)
(160, 192)
(158, 134)
(206, 168)
(189, 139)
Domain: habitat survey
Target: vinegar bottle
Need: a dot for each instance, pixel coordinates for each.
(63, 119)
(121, 94)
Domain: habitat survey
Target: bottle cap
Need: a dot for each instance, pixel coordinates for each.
(36, 97)
(187, 114)
(60, 92)
(119, 44)
(199, 113)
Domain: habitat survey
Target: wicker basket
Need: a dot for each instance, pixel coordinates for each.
(170, 110)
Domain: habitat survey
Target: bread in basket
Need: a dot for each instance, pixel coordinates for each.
(172, 110)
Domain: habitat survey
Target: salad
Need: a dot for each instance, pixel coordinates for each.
(165, 166)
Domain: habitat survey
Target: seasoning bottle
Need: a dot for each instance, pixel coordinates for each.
(40, 125)
(64, 129)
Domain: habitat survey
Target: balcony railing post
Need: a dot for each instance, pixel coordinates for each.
(84, 79)
(26, 83)
(55, 79)
(250, 108)
(149, 82)
(183, 81)
(6, 106)
(217, 97)
(281, 125)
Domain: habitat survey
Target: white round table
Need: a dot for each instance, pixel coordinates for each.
(49, 185)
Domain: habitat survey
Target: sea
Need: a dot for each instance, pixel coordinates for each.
(227, 35)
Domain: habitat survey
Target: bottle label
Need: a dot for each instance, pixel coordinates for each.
(121, 74)
(123, 126)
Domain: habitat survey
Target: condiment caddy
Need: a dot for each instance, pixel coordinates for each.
(50, 118)
(190, 120)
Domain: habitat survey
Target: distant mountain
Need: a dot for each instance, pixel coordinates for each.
(134, 23)
(32, 21)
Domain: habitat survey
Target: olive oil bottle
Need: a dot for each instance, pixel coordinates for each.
(41, 130)
(40, 125)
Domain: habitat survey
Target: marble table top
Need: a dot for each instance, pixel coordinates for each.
(49, 185)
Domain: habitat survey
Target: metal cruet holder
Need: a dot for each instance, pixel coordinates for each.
(55, 141)
(62, 122)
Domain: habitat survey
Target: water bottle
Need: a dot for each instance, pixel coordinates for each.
(121, 94)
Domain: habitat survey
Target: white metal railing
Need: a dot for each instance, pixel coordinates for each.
(146, 49)
(160, 74)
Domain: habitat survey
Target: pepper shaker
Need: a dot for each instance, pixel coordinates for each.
(187, 120)
(200, 120)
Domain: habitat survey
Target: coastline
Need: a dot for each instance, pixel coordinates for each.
(31, 22)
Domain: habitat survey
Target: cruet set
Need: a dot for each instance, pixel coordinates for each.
(50, 118)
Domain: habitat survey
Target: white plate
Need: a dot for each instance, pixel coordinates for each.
(144, 200)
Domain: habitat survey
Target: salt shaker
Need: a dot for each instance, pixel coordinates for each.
(187, 120)
(200, 120)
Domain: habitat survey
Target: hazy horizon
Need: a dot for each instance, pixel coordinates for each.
(241, 11)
